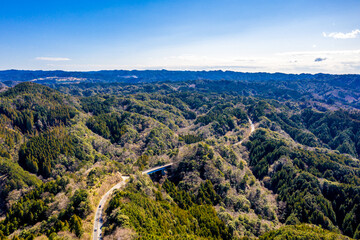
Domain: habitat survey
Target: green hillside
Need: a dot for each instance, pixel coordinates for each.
(296, 176)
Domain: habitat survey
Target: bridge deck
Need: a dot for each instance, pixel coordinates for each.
(156, 169)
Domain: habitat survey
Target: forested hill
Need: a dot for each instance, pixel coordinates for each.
(297, 176)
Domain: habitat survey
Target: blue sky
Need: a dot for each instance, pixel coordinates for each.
(251, 36)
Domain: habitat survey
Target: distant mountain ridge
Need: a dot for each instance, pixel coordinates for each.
(9, 77)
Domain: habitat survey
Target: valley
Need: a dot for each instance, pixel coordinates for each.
(242, 163)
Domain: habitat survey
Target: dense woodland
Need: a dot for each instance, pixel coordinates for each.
(297, 176)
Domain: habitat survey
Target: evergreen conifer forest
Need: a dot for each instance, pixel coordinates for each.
(272, 158)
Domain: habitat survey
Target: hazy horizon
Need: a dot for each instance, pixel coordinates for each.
(176, 70)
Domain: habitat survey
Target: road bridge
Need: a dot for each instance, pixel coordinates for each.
(157, 169)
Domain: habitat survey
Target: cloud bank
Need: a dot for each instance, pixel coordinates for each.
(55, 59)
(340, 35)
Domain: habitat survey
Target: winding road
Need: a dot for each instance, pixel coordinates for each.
(98, 219)
(252, 129)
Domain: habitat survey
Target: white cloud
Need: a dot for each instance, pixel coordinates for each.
(55, 59)
(340, 35)
(330, 61)
(319, 61)
(312, 53)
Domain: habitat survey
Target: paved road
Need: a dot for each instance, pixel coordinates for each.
(252, 129)
(98, 220)
(252, 126)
